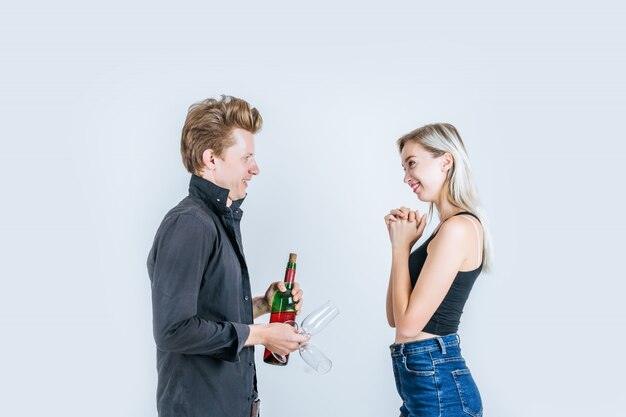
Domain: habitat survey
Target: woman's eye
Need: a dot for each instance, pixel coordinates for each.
(411, 164)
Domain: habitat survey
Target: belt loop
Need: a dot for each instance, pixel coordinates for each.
(402, 353)
(443, 345)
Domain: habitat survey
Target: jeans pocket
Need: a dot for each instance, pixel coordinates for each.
(468, 392)
(419, 365)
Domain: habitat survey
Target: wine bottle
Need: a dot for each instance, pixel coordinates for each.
(283, 307)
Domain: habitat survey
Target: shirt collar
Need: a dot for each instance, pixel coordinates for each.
(214, 196)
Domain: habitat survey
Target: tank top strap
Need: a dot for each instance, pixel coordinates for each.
(477, 232)
(457, 214)
(466, 212)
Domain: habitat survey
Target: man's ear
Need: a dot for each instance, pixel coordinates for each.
(208, 159)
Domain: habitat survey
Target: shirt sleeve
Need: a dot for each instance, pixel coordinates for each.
(179, 258)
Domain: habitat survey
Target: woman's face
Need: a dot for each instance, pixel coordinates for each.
(423, 172)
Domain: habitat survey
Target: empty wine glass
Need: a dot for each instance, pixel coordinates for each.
(319, 318)
(315, 358)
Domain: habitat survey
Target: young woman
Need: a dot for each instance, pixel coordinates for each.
(429, 286)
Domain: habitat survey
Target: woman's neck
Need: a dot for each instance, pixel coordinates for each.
(446, 209)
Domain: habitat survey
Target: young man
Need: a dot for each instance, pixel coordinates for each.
(203, 310)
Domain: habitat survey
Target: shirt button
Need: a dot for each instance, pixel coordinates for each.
(251, 364)
(246, 298)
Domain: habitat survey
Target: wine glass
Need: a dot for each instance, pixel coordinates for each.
(319, 318)
(315, 358)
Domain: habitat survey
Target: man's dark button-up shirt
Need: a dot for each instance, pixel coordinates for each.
(202, 305)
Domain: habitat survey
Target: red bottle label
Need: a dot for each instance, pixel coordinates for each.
(282, 316)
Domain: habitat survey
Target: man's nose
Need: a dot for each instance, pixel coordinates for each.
(255, 170)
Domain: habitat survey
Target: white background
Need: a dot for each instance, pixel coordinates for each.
(92, 101)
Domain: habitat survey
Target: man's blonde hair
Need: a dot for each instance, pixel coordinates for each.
(209, 125)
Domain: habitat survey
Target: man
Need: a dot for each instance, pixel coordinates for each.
(203, 310)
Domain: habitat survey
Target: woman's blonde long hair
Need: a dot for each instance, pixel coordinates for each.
(438, 139)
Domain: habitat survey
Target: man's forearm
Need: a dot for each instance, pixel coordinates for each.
(259, 307)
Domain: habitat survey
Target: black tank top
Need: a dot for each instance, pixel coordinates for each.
(448, 315)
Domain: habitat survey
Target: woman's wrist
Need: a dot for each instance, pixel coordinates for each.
(400, 250)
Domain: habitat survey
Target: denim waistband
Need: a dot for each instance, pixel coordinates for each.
(426, 345)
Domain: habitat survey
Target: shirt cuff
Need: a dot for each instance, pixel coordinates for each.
(243, 332)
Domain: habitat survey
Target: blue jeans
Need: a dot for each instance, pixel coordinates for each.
(433, 379)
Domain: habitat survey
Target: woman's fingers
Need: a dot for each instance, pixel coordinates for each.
(421, 225)
(397, 213)
(390, 218)
(400, 213)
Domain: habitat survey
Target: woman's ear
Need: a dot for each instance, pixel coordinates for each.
(447, 162)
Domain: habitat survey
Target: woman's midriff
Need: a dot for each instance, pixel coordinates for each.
(421, 336)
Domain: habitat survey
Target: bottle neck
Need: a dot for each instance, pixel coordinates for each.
(290, 273)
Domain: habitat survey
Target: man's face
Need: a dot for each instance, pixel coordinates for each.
(237, 165)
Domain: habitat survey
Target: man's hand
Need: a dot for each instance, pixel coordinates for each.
(280, 338)
(296, 292)
(262, 305)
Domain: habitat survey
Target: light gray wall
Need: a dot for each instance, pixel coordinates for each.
(92, 100)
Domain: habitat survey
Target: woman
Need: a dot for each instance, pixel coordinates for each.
(429, 287)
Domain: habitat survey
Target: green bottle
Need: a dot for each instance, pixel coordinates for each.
(283, 307)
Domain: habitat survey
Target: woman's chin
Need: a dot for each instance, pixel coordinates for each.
(423, 198)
